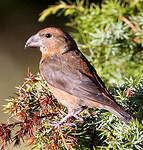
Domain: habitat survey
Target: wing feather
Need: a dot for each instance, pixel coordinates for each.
(66, 75)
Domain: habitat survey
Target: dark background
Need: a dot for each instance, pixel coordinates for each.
(18, 21)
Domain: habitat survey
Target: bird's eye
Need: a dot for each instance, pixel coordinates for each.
(48, 35)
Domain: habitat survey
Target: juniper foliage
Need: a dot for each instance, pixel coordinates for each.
(110, 36)
(35, 108)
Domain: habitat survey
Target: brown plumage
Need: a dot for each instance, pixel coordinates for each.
(69, 75)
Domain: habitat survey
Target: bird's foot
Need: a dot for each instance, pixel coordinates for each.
(54, 124)
(63, 120)
(57, 124)
(79, 118)
(69, 124)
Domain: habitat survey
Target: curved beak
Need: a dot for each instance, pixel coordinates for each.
(33, 42)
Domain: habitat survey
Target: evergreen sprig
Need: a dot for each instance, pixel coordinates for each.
(109, 34)
(35, 108)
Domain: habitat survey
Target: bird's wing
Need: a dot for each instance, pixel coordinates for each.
(75, 77)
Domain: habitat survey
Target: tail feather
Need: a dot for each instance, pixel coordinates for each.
(120, 112)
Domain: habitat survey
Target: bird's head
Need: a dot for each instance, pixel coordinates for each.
(51, 41)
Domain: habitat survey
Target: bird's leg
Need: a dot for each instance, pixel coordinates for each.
(56, 124)
(76, 116)
(71, 113)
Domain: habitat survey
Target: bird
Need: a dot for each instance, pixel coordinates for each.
(70, 77)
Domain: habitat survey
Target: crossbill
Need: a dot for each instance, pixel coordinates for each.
(69, 75)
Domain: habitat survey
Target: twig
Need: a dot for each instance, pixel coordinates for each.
(128, 23)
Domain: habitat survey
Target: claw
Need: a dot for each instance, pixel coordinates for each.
(55, 125)
(79, 118)
(70, 114)
(70, 124)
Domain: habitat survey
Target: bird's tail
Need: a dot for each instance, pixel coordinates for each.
(120, 112)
